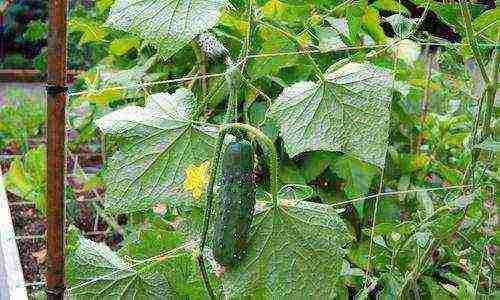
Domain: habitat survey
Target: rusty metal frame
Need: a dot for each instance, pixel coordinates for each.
(56, 107)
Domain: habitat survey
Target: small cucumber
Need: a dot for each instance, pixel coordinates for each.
(237, 203)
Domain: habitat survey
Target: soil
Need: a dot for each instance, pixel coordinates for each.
(30, 223)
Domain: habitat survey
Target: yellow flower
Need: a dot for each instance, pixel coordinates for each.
(197, 179)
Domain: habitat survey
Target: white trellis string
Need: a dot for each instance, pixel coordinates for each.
(159, 257)
(395, 193)
(42, 236)
(262, 55)
(382, 173)
(124, 87)
(156, 258)
(360, 48)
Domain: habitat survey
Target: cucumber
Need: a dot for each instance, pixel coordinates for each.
(232, 227)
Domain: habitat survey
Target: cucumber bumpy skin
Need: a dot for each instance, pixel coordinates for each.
(237, 204)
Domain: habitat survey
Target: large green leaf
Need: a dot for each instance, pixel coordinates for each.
(159, 142)
(96, 272)
(169, 23)
(91, 31)
(357, 175)
(490, 145)
(329, 39)
(486, 25)
(348, 112)
(295, 252)
(26, 177)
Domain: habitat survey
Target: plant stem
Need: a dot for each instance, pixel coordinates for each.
(245, 51)
(204, 274)
(427, 92)
(490, 94)
(268, 144)
(465, 9)
(492, 91)
(232, 70)
(208, 211)
(416, 272)
(230, 117)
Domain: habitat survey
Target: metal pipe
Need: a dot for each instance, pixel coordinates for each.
(56, 103)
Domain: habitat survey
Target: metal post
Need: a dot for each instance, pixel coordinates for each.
(56, 102)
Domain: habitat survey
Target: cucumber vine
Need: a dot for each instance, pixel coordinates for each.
(333, 102)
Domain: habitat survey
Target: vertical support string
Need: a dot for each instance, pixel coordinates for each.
(56, 107)
(366, 280)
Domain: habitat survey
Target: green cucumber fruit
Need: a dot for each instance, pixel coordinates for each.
(237, 203)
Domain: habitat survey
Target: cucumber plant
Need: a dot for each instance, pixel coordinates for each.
(272, 72)
(236, 209)
(329, 114)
